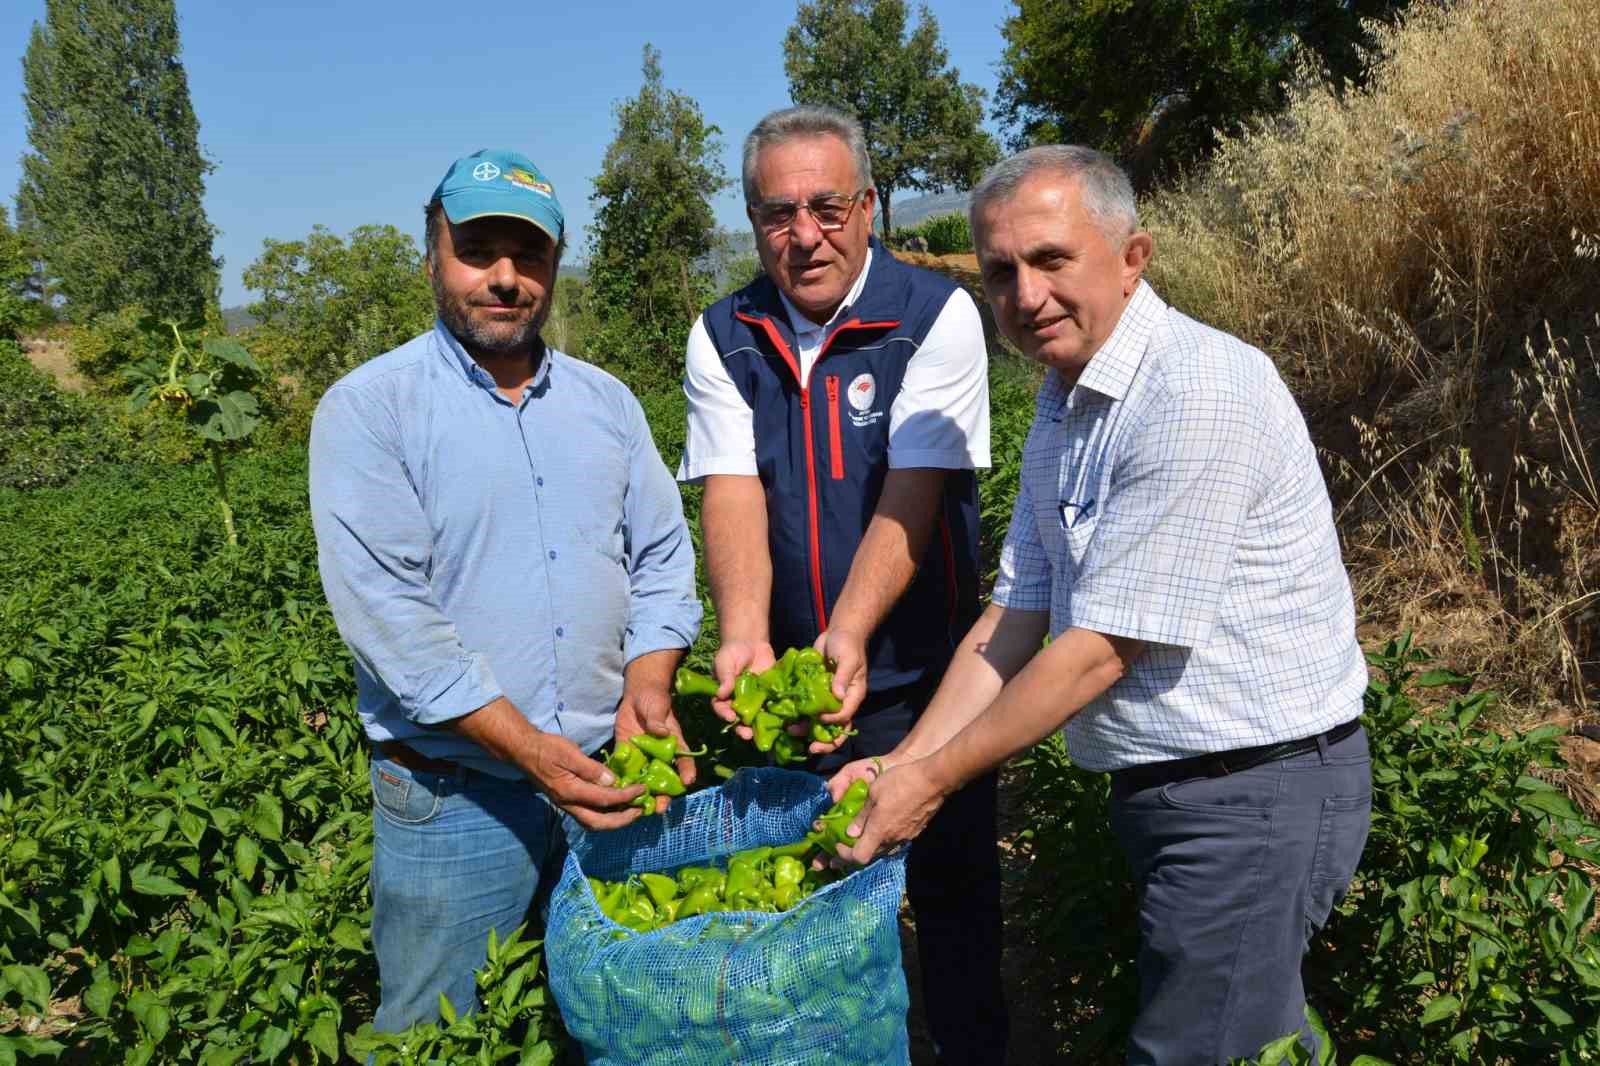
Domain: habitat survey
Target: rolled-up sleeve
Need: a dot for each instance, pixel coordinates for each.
(374, 550)
(663, 610)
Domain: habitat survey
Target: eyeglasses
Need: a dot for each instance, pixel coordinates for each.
(829, 211)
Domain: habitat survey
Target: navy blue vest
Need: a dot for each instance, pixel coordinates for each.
(822, 452)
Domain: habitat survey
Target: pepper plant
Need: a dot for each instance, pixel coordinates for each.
(210, 384)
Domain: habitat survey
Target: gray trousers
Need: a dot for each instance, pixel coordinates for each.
(1235, 874)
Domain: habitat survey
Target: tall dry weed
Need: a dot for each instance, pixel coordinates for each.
(1419, 258)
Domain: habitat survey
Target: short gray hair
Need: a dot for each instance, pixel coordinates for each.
(807, 120)
(1104, 187)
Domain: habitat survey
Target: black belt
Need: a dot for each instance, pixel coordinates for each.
(412, 759)
(1222, 763)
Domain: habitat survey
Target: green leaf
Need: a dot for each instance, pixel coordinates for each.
(1440, 1009)
(20, 671)
(230, 351)
(192, 826)
(273, 1042)
(267, 817)
(24, 850)
(197, 384)
(300, 672)
(98, 996)
(157, 1021)
(1553, 1012)
(229, 417)
(446, 1011)
(155, 885)
(1435, 678)
(245, 854)
(324, 1036)
(348, 934)
(32, 982)
(1551, 802)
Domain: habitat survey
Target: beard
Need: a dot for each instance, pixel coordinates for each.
(488, 338)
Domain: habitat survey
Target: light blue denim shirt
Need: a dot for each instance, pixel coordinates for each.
(472, 548)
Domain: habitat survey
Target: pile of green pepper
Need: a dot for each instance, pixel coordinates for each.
(769, 879)
(648, 761)
(797, 686)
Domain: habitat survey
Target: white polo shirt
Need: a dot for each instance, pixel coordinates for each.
(948, 373)
(1173, 496)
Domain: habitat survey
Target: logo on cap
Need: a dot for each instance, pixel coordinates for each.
(485, 171)
(523, 180)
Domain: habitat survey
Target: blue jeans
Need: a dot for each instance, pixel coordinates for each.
(1235, 874)
(454, 856)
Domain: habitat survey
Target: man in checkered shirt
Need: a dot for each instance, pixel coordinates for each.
(1174, 539)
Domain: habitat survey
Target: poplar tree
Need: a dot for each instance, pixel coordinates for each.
(111, 192)
(923, 124)
(654, 229)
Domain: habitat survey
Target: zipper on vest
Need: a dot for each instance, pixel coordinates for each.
(835, 441)
(814, 522)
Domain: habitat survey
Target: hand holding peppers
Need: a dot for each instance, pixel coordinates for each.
(647, 760)
(797, 687)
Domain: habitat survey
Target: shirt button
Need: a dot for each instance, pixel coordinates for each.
(560, 632)
(561, 706)
(552, 553)
(539, 481)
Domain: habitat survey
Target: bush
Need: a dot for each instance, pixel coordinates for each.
(945, 234)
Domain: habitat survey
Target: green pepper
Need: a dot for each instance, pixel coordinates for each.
(687, 682)
(807, 660)
(785, 896)
(767, 727)
(818, 697)
(614, 902)
(661, 779)
(748, 696)
(702, 898)
(663, 749)
(662, 889)
(627, 762)
(640, 914)
(787, 870)
(787, 749)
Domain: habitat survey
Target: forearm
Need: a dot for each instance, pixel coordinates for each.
(653, 670)
(733, 515)
(994, 650)
(1055, 685)
(886, 560)
(500, 729)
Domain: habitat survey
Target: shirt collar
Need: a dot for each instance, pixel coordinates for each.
(803, 325)
(1111, 369)
(476, 374)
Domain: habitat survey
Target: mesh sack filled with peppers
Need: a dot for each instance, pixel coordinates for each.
(796, 688)
(743, 980)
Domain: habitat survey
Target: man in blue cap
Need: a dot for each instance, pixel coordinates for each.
(506, 556)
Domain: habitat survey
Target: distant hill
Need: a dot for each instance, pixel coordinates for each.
(237, 319)
(906, 213)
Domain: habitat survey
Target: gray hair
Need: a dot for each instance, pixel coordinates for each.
(434, 216)
(1105, 190)
(807, 120)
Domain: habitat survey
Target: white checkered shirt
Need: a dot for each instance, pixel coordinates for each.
(1173, 496)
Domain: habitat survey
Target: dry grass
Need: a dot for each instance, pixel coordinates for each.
(1420, 259)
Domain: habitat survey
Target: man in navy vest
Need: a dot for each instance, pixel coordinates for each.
(838, 407)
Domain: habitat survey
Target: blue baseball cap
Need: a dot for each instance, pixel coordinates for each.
(494, 181)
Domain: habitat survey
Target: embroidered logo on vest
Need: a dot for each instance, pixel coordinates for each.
(862, 392)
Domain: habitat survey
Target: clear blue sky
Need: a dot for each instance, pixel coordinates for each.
(342, 112)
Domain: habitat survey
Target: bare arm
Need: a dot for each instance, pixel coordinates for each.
(574, 782)
(733, 517)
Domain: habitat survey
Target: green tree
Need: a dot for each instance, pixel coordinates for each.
(20, 306)
(328, 305)
(111, 193)
(922, 123)
(653, 229)
(1152, 80)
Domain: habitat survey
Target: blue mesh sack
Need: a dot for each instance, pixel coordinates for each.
(820, 983)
